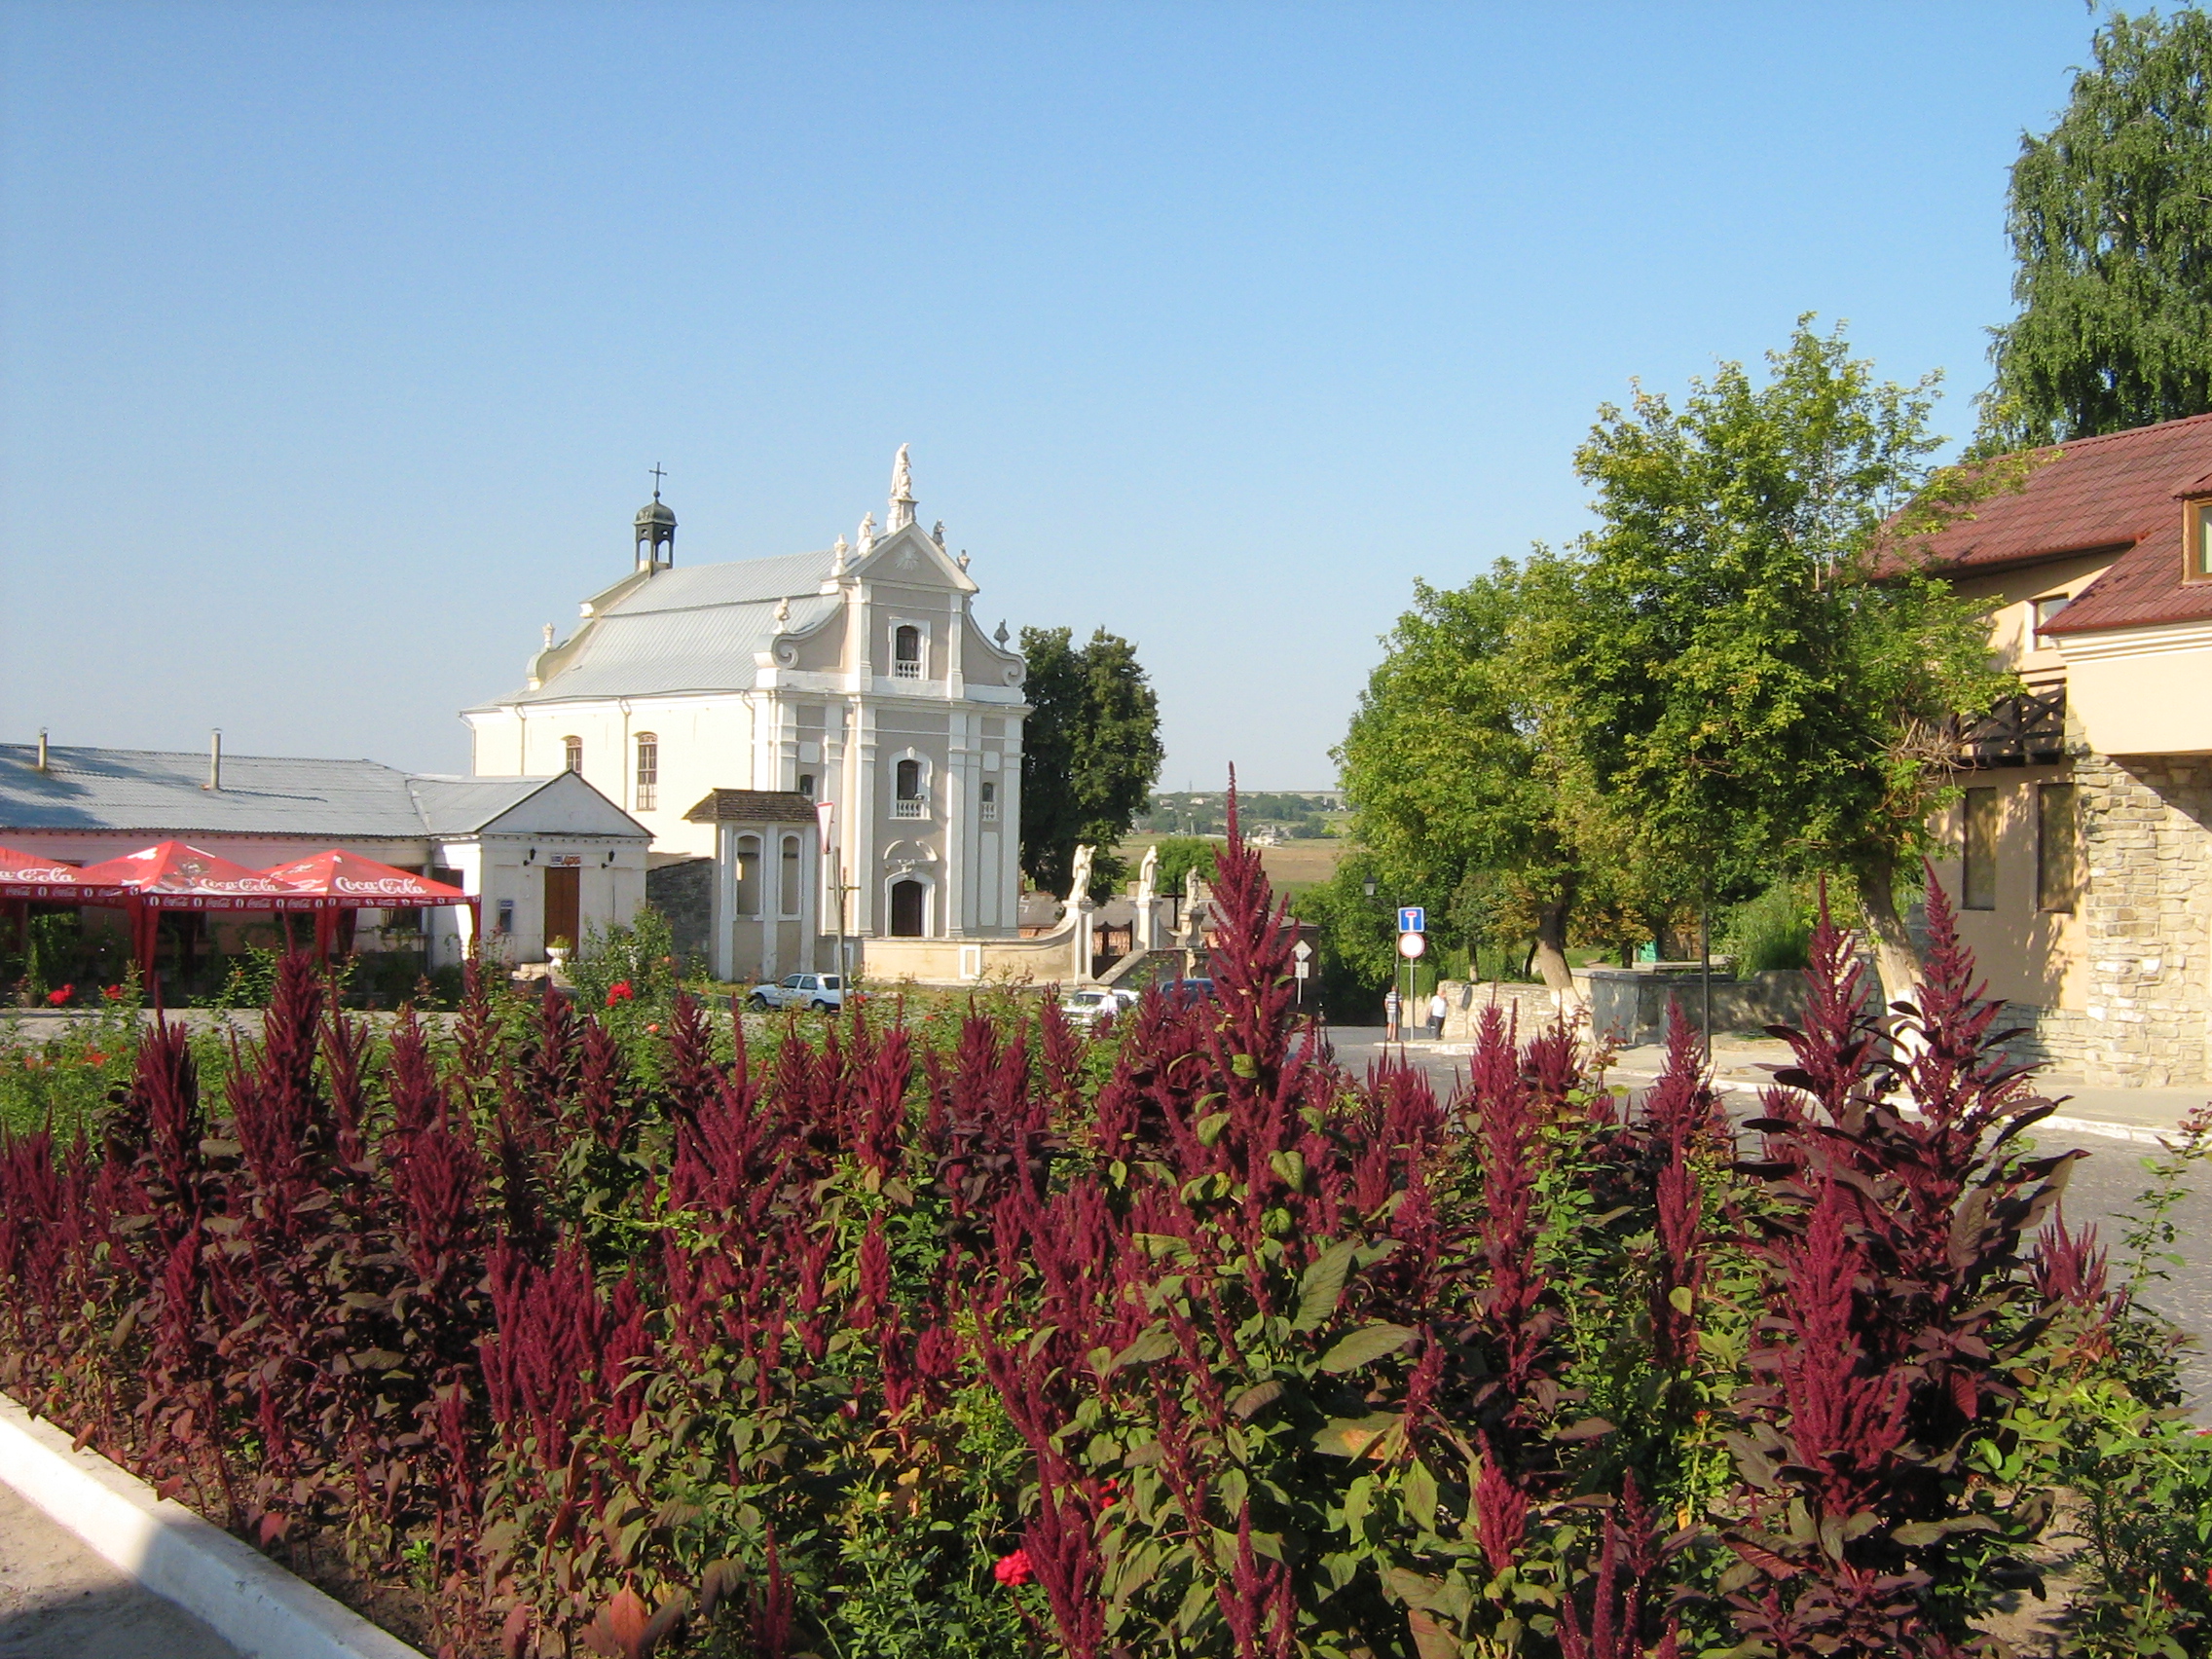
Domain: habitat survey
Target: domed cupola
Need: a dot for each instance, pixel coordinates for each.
(656, 530)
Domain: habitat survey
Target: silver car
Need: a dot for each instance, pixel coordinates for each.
(1087, 1008)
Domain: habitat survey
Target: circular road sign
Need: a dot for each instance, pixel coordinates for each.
(1412, 946)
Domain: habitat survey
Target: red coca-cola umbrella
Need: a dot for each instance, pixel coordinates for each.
(174, 875)
(338, 880)
(33, 876)
(347, 881)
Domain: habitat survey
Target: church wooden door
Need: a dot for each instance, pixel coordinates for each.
(907, 899)
(562, 906)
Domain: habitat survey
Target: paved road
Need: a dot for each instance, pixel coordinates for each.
(2100, 1188)
(59, 1601)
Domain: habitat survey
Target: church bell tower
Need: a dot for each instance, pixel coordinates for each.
(657, 532)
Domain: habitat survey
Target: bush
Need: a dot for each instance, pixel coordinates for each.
(586, 1326)
(1773, 930)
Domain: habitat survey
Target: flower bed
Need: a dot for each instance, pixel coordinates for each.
(595, 1332)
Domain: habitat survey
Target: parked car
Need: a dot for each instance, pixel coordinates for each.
(1087, 1008)
(824, 992)
(1186, 993)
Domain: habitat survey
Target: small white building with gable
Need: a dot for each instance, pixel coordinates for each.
(856, 677)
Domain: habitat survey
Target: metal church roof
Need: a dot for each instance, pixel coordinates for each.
(691, 629)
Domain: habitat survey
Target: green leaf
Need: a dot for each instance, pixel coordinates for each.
(1351, 1437)
(1154, 1343)
(1322, 1285)
(1366, 1345)
(1681, 1299)
(1419, 1496)
(1244, 1065)
(1210, 1127)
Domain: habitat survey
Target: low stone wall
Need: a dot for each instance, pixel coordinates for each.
(1046, 961)
(1627, 1006)
(1530, 1007)
(2053, 1037)
(684, 893)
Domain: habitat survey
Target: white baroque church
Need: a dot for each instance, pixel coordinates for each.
(856, 677)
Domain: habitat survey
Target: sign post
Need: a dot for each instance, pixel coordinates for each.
(1413, 944)
(1301, 967)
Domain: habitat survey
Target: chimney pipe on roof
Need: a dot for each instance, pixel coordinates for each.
(215, 758)
(42, 749)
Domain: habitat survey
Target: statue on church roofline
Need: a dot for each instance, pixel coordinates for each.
(901, 494)
(867, 535)
(838, 555)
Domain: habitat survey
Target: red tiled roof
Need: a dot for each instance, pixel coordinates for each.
(2120, 490)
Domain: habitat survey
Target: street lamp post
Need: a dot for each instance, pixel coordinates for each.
(1401, 970)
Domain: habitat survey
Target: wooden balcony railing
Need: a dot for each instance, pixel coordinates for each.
(2026, 730)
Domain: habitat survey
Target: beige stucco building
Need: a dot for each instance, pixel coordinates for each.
(2080, 852)
(856, 677)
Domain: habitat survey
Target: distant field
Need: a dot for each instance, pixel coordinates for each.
(1291, 867)
(1297, 865)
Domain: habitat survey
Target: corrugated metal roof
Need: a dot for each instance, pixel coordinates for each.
(742, 581)
(461, 806)
(689, 630)
(2120, 490)
(159, 791)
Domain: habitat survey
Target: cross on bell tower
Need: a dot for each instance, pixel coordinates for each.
(656, 529)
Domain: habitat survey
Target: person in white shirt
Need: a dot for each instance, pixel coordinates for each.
(1437, 1007)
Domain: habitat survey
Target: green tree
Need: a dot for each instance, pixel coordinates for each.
(1179, 856)
(2110, 215)
(1739, 673)
(1090, 753)
(1443, 772)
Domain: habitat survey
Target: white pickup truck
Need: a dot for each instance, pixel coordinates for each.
(823, 991)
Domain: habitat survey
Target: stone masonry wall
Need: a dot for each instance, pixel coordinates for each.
(2147, 914)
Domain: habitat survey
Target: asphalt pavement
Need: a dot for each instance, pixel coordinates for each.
(59, 1601)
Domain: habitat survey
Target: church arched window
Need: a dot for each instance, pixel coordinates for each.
(906, 652)
(746, 901)
(573, 754)
(788, 892)
(908, 799)
(648, 771)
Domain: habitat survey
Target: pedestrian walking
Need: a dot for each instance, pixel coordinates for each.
(1437, 1008)
(1391, 1017)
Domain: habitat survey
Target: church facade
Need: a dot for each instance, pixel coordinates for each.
(856, 679)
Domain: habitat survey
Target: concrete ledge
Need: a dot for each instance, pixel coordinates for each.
(240, 1593)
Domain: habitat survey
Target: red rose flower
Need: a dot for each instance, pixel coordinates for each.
(619, 992)
(113, 993)
(60, 996)
(1014, 1569)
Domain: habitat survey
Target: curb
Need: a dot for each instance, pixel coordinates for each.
(2142, 1134)
(240, 1593)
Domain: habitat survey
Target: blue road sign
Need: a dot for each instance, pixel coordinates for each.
(1413, 918)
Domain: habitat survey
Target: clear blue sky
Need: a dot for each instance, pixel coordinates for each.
(338, 339)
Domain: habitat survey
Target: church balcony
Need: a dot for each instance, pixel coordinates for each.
(906, 671)
(909, 809)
